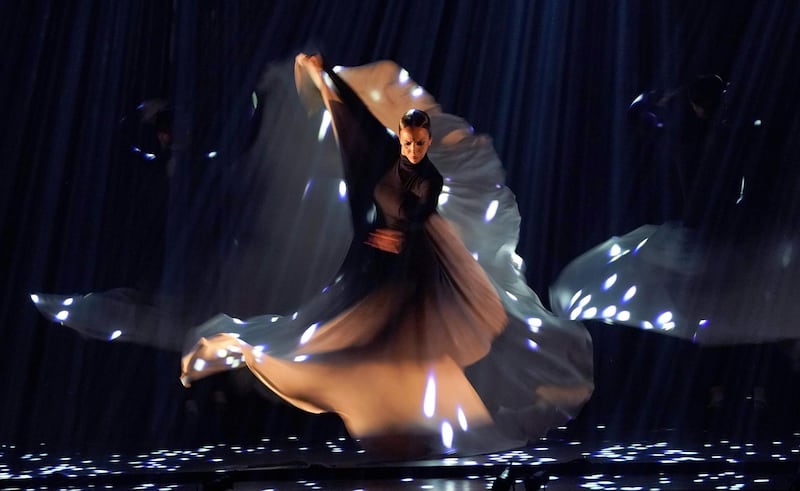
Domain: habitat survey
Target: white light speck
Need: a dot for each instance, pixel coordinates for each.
(308, 333)
(418, 91)
(375, 95)
(115, 335)
(590, 312)
(623, 315)
(647, 325)
(300, 358)
(237, 320)
(342, 189)
(575, 297)
(615, 250)
(512, 296)
(533, 344)
(324, 124)
(629, 294)
(211, 154)
(462, 419)
(609, 312)
(491, 210)
(664, 317)
(35, 298)
(403, 76)
(640, 244)
(443, 197)
(68, 302)
(534, 323)
(575, 313)
(610, 281)
(429, 401)
(199, 365)
(584, 301)
(447, 435)
(62, 316)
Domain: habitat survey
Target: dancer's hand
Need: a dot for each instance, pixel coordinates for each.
(312, 64)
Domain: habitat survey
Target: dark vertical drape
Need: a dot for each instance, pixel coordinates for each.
(548, 80)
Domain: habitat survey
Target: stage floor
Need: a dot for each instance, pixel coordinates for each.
(663, 460)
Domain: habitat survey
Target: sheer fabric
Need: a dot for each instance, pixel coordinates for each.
(442, 348)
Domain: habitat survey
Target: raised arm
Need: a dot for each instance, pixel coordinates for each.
(367, 149)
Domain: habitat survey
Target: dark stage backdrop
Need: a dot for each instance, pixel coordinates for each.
(550, 81)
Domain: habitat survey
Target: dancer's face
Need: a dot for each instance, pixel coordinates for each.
(414, 143)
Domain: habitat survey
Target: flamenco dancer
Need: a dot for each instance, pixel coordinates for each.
(427, 341)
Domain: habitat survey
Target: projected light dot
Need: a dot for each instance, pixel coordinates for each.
(534, 323)
(462, 419)
(199, 365)
(35, 298)
(274, 318)
(647, 325)
(443, 198)
(417, 92)
(294, 315)
(609, 312)
(533, 344)
(512, 296)
(623, 315)
(301, 358)
(703, 323)
(429, 401)
(222, 353)
(115, 335)
(236, 320)
(68, 301)
(308, 333)
(491, 211)
(610, 281)
(211, 154)
(475, 255)
(585, 300)
(324, 124)
(640, 244)
(575, 297)
(375, 95)
(664, 317)
(629, 293)
(615, 250)
(342, 189)
(447, 435)
(590, 312)
(62, 316)
(575, 313)
(403, 76)
(668, 326)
